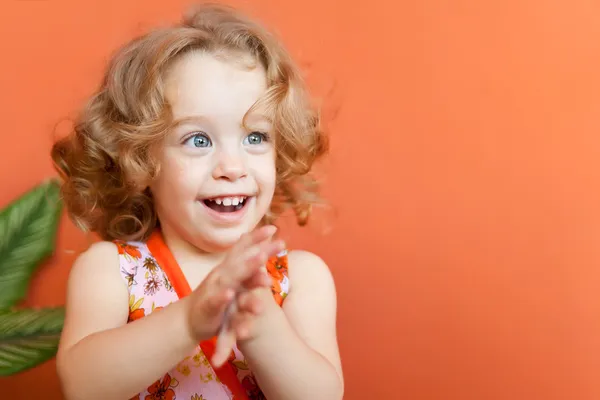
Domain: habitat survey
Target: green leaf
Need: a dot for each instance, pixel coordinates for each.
(28, 337)
(27, 236)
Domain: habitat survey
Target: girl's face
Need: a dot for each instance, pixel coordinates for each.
(217, 178)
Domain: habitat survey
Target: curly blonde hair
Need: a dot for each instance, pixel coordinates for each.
(110, 158)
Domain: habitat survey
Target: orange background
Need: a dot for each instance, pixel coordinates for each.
(464, 174)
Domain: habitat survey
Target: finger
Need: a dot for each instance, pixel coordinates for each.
(249, 302)
(225, 343)
(217, 303)
(242, 325)
(226, 337)
(259, 279)
(258, 256)
(235, 273)
(258, 235)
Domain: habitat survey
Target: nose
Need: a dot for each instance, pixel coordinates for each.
(230, 166)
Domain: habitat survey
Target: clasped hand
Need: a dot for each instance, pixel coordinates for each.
(228, 302)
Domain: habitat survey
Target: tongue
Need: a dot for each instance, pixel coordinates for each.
(220, 207)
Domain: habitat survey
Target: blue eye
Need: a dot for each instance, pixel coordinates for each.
(199, 140)
(256, 138)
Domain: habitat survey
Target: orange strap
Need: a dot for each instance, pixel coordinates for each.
(169, 265)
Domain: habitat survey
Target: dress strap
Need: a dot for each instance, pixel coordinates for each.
(167, 262)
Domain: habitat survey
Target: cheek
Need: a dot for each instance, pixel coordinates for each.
(264, 171)
(179, 176)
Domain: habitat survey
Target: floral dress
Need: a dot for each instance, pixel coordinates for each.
(154, 280)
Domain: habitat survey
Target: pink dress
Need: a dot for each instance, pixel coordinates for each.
(154, 280)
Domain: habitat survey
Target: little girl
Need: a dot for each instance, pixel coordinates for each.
(198, 138)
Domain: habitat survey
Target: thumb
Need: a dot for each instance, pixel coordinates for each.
(226, 337)
(216, 304)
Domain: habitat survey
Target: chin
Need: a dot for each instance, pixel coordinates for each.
(221, 239)
(223, 225)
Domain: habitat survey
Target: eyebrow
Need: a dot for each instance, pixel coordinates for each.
(193, 119)
(199, 119)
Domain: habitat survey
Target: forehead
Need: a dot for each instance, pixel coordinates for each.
(201, 83)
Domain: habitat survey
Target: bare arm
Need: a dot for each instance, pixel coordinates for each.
(100, 355)
(295, 354)
(103, 357)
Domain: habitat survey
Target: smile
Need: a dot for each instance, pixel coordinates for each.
(226, 204)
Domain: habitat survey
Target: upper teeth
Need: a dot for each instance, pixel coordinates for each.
(230, 201)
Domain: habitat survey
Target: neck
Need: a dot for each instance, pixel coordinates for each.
(189, 256)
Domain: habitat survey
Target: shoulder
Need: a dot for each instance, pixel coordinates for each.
(307, 269)
(311, 305)
(306, 264)
(99, 262)
(307, 260)
(99, 251)
(97, 296)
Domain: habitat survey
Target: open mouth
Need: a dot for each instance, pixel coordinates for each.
(226, 204)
